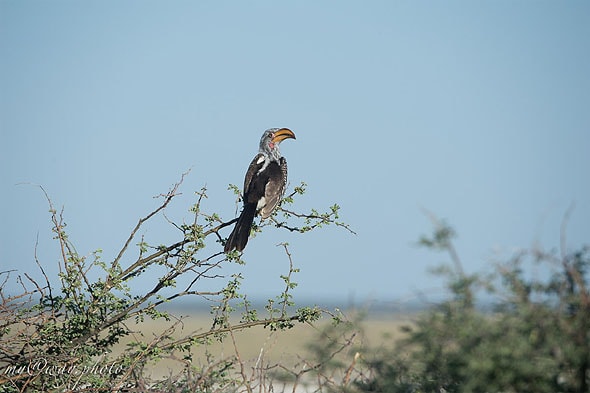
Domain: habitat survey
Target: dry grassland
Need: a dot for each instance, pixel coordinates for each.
(259, 345)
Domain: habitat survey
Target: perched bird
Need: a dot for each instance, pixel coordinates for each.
(264, 185)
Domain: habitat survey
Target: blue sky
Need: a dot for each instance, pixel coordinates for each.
(476, 111)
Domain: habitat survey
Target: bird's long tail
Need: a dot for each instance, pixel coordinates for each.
(239, 236)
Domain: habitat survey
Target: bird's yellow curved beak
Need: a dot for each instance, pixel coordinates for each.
(282, 134)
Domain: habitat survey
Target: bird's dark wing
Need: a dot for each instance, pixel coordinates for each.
(254, 167)
(275, 186)
(255, 181)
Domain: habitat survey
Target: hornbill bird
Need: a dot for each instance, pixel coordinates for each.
(264, 186)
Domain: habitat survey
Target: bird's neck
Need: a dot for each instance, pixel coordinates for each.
(272, 154)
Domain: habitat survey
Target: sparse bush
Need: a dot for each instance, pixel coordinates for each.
(59, 334)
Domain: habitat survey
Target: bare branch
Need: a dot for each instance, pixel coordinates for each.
(167, 198)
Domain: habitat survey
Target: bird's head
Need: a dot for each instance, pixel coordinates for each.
(269, 143)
